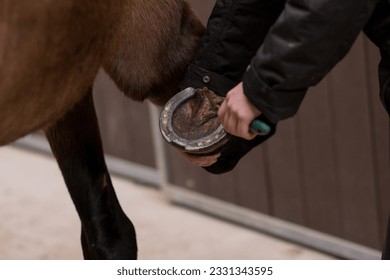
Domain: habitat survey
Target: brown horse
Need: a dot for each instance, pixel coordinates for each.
(50, 52)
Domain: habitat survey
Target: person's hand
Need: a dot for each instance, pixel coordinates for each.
(237, 112)
(202, 161)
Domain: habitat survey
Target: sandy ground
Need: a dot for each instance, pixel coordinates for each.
(38, 220)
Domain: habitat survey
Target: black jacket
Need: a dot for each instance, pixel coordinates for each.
(289, 45)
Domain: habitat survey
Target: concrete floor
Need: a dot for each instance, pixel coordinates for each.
(38, 220)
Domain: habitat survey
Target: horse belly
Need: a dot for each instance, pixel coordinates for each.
(49, 55)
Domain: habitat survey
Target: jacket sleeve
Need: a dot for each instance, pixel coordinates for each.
(303, 45)
(235, 31)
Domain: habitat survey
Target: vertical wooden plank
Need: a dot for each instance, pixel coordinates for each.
(351, 127)
(321, 197)
(381, 126)
(285, 174)
(253, 187)
(124, 124)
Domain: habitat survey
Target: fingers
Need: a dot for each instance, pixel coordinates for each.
(236, 113)
(202, 161)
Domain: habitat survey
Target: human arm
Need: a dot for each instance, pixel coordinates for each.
(305, 43)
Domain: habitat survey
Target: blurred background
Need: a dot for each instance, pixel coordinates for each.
(321, 183)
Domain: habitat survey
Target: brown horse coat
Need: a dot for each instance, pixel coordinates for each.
(50, 52)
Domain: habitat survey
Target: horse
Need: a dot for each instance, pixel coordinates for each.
(50, 53)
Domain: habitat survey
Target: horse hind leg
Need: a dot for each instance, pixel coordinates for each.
(75, 140)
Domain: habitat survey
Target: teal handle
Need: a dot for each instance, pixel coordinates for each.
(259, 127)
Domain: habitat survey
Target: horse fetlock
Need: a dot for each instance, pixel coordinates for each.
(118, 242)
